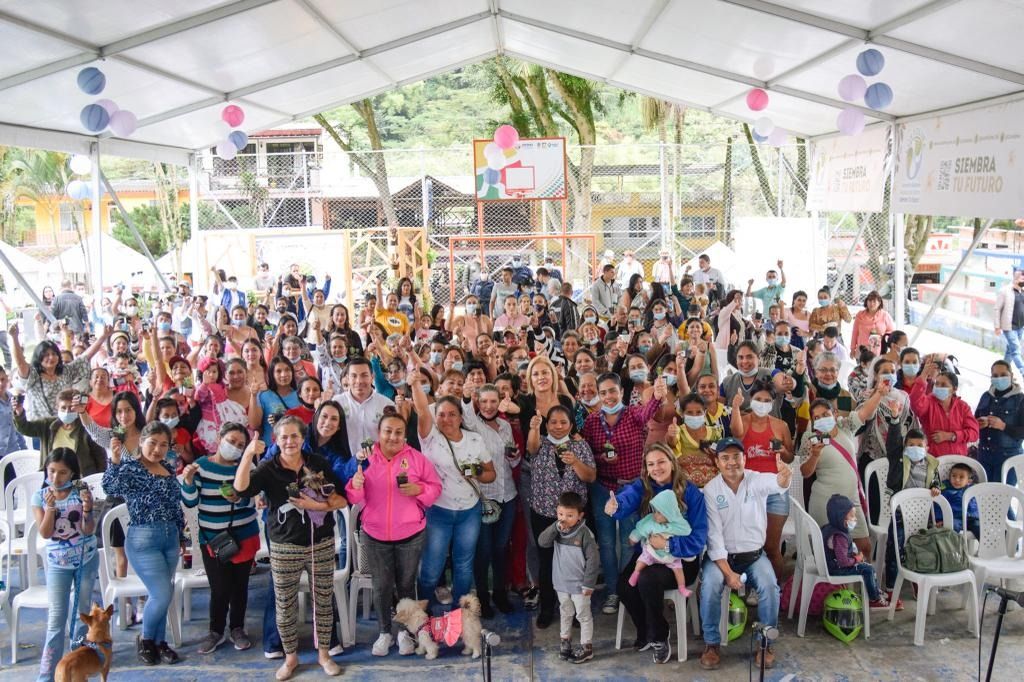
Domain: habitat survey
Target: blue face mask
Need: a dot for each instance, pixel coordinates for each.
(615, 409)
(941, 392)
(911, 369)
(850, 525)
(693, 421)
(822, 302)
(638, 376)
(457, 365)
(748, 373)
(825, 424)
(781, 341)
(659, 316)
(62, 487)
(435, 357)
(426, 388)
(891, 378)
(644, 348)
(827, 387)
(915, 453)
(163, 326)
(170, 422)
(772, 281)
(670, 379)
(1001, 383)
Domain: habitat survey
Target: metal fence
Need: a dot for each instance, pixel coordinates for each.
(623, 195)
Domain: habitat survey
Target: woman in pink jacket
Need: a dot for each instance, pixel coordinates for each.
(872, 321)
(394, 486)
(945, 418)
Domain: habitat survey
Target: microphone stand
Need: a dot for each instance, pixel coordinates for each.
(1003, 600)
(487, 640)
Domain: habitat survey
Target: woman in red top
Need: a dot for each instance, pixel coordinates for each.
(763, 437)
(945, 418)
(100, 397)
(309, 397)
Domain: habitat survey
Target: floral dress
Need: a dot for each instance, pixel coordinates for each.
(552, 477)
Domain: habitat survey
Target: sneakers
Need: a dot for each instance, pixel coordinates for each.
(565, 650)
(582, 653)
(336, 650)
(662, 651)
(531, 599)
(881, 603)
(210, 642)
(899, 602)
(641, 645)
(146, 651)
(167, 654)
(769, 658)
(271, 655)
(383, 644)
(406, 644)
(712, 657)
(443, 594)
(611, 605)
(240, 639)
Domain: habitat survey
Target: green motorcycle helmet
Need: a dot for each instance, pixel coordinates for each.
(844, 615)
(737, 616)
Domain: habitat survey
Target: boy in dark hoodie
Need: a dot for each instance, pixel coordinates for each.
(841, 553)
(961, 477)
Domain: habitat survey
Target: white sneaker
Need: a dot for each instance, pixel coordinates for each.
(406, 644)
(336, 650)
(383, 644)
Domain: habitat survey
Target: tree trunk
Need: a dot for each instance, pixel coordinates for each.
(677, 163)
(762, 178)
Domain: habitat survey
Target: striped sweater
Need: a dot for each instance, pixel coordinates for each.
(215, 512)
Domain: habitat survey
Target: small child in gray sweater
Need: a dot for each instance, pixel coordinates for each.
(574, 573)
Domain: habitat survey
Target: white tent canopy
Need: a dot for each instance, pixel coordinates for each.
(35, 273)
(128, 264)
(176, 64)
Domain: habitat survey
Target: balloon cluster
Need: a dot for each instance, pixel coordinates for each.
(103, 112)
(498, 153)
(757, 100)
(853, 87)
(236, 140)
(79, 189)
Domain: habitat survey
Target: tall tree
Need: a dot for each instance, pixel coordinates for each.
(656, 115)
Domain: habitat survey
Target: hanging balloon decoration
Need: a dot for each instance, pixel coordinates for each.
(499, 153)
(91, 80)
(870, 62)
(506, 137)
(778, 137)
(235, 141)
(764, 126)
(764, 67)
(80, 164)
(94, 118)
(78, 190)
(97, 116)
(878, 96)
(226, 150)
(123, 123)
(233, 115)
(239, 139)
(850, 121)
(853, 88)
(757, 99)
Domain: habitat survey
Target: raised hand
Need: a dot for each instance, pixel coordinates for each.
(189, 473)
(358, 479)
(660, 388)
(737, 403)
(673, 430)
(785, 473)
(612, 505)
(535, 422)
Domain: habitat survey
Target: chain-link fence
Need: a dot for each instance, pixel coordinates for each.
(619, 197)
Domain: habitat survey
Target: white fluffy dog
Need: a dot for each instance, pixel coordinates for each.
(430, 632)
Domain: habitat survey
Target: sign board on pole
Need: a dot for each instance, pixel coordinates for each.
(534, 168)
(964, 164)
(849, 172)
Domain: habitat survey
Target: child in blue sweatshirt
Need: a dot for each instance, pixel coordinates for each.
(961, 477)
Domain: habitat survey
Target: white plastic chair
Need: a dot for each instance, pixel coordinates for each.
(680, 606)
(946, 463)
(95, 483)
(341, 575)
(815, 570)
(264, 551)
(879, 532)
(23, 461)
(1014, 464)
(194, 578)
(915, 506)
(18, 494)
(361, 581)
(117, 589)
(34, 595)
(995, 557)
(1015, 528)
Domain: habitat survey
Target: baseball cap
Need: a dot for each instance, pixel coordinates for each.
(727, 443)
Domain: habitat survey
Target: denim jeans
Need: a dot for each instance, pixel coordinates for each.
(615, 551)
(1013, 339)
(62, 586)
(760, 577)
(866, 571)
(455, 530)
(491, 553)
(153, 554)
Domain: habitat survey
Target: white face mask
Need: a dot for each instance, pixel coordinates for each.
(231, 453)
(558, 441)
(761, 408)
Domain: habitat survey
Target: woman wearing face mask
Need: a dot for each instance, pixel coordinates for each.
(270, 405)
(826, 385)
(237, 331)
(700, 356)
(589, 316)
(894, 409)
(469, 326)
(636, 386)
(829, 313)
(558, 463)
(587, 400)
(798, 319)
(945, 417)
(207, 484)
(764, 437)
(874, 320)
(66, 520)
(100, 396)
(859, 381)
(292, 349)
(332, 358)
(693, 436)
(340, 324)
(893, 344)
(662, 330)
(1000, 415)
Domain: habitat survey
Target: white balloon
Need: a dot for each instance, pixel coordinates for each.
(764, 67)
(226, 150)
(491, 148)
(80, 164)
(778, 137)
(764, 126)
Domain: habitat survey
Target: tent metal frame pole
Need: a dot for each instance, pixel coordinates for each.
(97, 224)
(899, 243)
(134, 230)
(841, 272)
(45, 310)
(952, 277)
(193, 216)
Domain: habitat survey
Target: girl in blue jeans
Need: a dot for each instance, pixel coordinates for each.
(64, 517)
(154, 538)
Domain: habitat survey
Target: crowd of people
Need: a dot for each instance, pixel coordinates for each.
(529, 441)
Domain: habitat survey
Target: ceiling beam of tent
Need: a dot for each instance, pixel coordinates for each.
(496, 32)
(879, 38)
(345, 42)
(76, 143)
(693, 66)
(94, 52)
(652, 17)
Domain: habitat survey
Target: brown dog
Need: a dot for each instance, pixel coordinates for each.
(95, 654)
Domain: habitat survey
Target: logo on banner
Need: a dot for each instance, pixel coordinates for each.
(915, 153)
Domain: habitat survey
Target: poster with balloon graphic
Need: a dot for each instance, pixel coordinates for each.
(533, 168)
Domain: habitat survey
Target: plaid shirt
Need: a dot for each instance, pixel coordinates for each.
(627, 436)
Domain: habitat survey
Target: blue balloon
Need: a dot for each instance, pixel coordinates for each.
(491, 176)
(758, 138)
(94, 117)
(239, 139)
(878, 96)
(91, 81)
(870, 62)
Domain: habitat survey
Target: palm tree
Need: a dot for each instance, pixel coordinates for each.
(656, 114)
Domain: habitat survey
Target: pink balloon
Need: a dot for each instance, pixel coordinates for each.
(506, 136)
(109, 105)
(852, 87)
(123, 123)
(233, 115)
(850, 121)
(757, 99)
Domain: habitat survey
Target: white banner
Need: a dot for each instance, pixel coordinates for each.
(965, 164)
(849, 172)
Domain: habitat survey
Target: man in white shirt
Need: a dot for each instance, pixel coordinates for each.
(712, 278)
(362, 405)
(663, 268)
(737, 522)
(628, 267)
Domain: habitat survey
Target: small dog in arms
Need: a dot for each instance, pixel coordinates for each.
(94, 653)
(429, 632)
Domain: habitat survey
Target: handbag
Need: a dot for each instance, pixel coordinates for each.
(490, 509)
(223, 545)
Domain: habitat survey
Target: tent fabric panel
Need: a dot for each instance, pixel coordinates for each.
(437, 51)
(203, 125)
(918, 84)
(678, 83)
(340, 83)
(22, 49)
(554, 48)
(865, 15)
(368, 24)
(609, 19)
(237, 51)
(793, 114)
